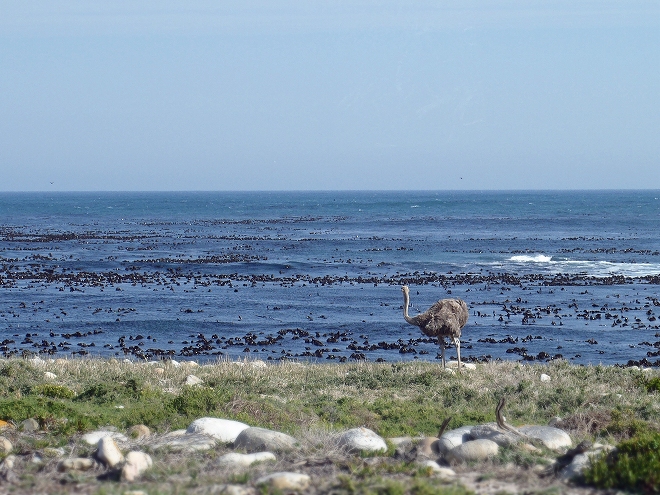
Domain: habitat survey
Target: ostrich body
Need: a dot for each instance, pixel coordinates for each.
(446, 318)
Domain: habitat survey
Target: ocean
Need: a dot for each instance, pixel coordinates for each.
(317, 276)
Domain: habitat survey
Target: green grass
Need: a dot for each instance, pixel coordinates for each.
(392, 399)
(606, 404)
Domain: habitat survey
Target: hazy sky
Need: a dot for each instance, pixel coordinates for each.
(255, 95)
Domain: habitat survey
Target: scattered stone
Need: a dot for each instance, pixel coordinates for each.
(192, 380)
(285, 481)
(49, 376)
(92, 438)
(362, 440)
(5, 445)
(136, 463)
(545, 378)
(159, 371)
(176, 433)
(187, 442)
(464, 366)
(444, 473)
(492, 432)
(3, 424)
(552, 438)
(474, 450)
(8, 463)
(75, 464)
(235, 459)
(29, 425)
(224, 430)
(139, 431)
(453, 438)
(108, 452)
(576, 467)
(260, 439)
(231, 490)
(554, 421)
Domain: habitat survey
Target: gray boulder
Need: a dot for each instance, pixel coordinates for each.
(453, 438)
(362, 440)
(552, 438)
(260, 439)
(492, 432)
(224, 430)
(474, 450)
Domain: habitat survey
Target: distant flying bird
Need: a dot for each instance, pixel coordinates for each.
(446, 318)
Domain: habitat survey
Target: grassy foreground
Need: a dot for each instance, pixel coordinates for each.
(394, 399)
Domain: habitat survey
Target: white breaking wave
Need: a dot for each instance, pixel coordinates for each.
(595, 268)
(534, 258)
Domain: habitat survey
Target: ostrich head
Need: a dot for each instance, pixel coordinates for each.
(405, 290)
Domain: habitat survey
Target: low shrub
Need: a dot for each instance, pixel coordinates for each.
(634, 466)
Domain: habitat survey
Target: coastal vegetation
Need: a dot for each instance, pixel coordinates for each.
(612, 405)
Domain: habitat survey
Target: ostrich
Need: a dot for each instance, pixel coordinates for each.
(445, 318)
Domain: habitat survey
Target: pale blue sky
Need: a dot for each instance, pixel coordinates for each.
(256, 95)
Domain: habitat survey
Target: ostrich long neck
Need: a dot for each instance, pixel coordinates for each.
(406, 303)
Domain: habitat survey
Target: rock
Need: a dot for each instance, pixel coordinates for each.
(5, 445)
(362, 440)
(465, 366)
(29, 425)
(75, 464)
(108, 452)
(285, 481)
(159, 371)
(453, 438)
(176, 433)
(235, 459)
(192, 380)
(3, 424)
(554, 421)
(187, 442)
(230, 490)
(492, 432)
(260, 439)
(135, 492)
(552, 438)
(92, 438)
(444, 473)
(8, 463)
(139, 431)
(174, 363)
(136, 463)
(575, 468)
(224, 430)
(474, 450)
(49, 376)
(545, 378)
(428, 447)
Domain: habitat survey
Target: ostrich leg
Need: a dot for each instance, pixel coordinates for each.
(441, 341)
(457, 343)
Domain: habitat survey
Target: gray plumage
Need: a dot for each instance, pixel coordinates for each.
(446, 318)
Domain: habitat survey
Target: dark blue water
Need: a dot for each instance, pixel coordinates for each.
(317, 275)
